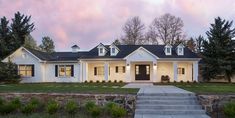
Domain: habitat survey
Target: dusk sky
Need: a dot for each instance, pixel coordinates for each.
(89, 22)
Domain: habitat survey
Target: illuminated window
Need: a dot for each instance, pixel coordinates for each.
(181, 71)
(147, 70)
(137, 70)
(65, 70)
(26, 70)
(99, 70)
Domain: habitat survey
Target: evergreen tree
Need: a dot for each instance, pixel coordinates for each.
(199, 43)
(47, 45)
(218, 53)
(117, 42)
(21, 27)
(191, 44)
(30, 42)
(4, 37)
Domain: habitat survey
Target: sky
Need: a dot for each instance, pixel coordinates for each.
(90, 22)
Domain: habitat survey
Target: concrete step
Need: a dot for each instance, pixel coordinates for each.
(166, 98)
(169, 116)
(166, 94)
(167, 102)
(169, 112)
(159, 107)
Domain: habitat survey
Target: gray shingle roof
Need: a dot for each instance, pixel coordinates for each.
(124, 50)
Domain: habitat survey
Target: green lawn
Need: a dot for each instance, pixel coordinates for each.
(207, 88)
(99, 88)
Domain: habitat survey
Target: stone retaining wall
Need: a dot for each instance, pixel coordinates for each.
(213, 104)
(125, 100)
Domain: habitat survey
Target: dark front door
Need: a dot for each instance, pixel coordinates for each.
(142, 72)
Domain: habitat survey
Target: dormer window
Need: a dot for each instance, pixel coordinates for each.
(168, 49)
(113, 50)
(180, 49)
(101, 49)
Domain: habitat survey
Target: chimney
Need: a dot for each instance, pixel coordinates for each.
(75, 48)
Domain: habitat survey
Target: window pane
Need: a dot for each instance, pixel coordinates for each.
(22, 73)
(137, 70)
(100, 70)
(123, 69)
(101, 50)
(21, 67)
(29, 73)
(28, 67)
(68, 70)
(113, 50)
(61, 71)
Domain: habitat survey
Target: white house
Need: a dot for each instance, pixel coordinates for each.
(128, 63)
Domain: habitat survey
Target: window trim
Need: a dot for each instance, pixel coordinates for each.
(25, 70)
(65, 70)
(181, 71)
(96, 71)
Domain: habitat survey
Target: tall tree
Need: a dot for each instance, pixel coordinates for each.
(5, 39)
(30, 42)
(199, 43)
(218, 52)
(151, 36)
(21, 27)
(133, 32)
(117, 42)
(168, 28)
(191, 44)
(47, 45)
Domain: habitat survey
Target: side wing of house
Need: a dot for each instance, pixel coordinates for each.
(29, 66)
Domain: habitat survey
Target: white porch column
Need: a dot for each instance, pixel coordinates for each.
(106, 71)
(80, 71)
(128, 71)
(155, 71)
(175, 66)
(195, 71)
(84, 71)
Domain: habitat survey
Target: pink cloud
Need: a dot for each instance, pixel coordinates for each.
(88, 22)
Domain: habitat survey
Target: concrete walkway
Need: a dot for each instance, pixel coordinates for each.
(166, 102)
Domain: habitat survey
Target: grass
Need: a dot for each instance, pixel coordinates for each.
(98, 88)
(207, 88)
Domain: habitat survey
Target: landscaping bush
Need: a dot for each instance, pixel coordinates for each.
(103, 81)
(71, 107)
(90, 81)
(93, 109)
(109, 81)
(181, 81)
(120, 81)
(10, 107)
(9, 73)
(31, 107)
(7, 108)
(1, 101)
(114, 110)
(115, 81)
(97, 81)
(85, 81)
(174, 81)
(229, 110)
(188, 81)
(52, 107)
(194, 81)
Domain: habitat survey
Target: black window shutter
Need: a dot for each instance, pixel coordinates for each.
(183, 70)
(124, 69)
(116, 69)
(95, 71)
(32, 70)
(56, 70)
(72, 71)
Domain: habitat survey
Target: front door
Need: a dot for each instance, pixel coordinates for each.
(142, 72)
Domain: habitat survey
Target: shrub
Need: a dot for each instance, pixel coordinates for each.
(174, 81)
(109, 81)
(114, 110)
(194, 81)
(118, 112)
(9, 73)
(188, 81)
(103, 81)
(31, 107)
(85, 81)
(7, 108)
(71, 107)
(52, 107)
(181, 81)
(92, 109)
(120, 81)
(1, 101)
(97, 81)
(90, 81)
(229, 109)
(115, 81)
(16, 102)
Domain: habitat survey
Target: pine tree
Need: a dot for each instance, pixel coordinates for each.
(5, 39)
(47, 45)
(191, 44)
(218, 53)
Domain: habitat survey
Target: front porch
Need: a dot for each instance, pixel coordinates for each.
(139, 71)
